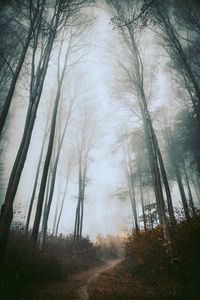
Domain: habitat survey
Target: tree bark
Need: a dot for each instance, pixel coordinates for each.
(35, 183)
(7, 208)
(182, 192)
(191, 202)
(142, 198)
(48, 158)
(6, 106)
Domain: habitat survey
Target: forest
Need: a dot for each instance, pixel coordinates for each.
(100, 149)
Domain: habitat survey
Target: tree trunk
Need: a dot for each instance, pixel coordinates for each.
(133, 202)
(45, 173)
(191, 202)
(182, 192)
(142, 198)
(61, 208)
(48, 157)
(178, 51)
(35, 183)
(165, 181)
(154, 167)
(78, 208)
(83, 196)
(11, 90)
(7, 208)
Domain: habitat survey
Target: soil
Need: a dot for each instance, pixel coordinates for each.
(74, 287)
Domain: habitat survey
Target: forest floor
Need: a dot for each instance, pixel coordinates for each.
(118, 283)
(111, 281)
(73, 287)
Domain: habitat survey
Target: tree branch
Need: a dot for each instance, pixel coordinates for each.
(140, 14)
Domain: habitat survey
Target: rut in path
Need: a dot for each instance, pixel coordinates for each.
(82, 292)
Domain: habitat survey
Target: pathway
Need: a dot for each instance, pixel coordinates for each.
(82, 291)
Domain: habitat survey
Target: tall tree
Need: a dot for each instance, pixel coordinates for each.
(127, 28)
(46, 131)
(60, 78)
(129, 171)
(164, 14)
(175, 157)
(59, 15)
(85, 142)
(33, 18)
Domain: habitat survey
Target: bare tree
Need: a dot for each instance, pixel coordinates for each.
(130, 176)
(181, 60)
(69, 168)
(85, 142)
(174, 158)
(33, 14)
(123, 15)
(46, 131)
(59, 14)
(74, 35)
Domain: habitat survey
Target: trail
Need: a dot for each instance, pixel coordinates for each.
(83, 290)
(73, 287)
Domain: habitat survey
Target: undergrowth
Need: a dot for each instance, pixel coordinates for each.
(174, 264)
(150, 271)
(60, 257)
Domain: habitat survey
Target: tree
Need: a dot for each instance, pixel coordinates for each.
(60, 78)
(175, 157)
(85, 142)
(181, 60)
(46, 131)
(130, 176)
(74, 35)
(124, 12)
(69, 167)
(60, 14)
(33, 16)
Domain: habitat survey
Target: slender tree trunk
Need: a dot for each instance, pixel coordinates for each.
(35, 183)
(142, 198)
(165, 181)
(191, 202)
(47, 190)
(7, 208)
(45, 173)
(133, 202)
(164, 20)
(61, 208)
(78, 208)
(48, 157)
(83, 196)
(56, 212)
(154, 168)
(182, 192)
(197, 192)
(6, 106)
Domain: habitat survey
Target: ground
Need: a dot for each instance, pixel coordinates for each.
(73, 287)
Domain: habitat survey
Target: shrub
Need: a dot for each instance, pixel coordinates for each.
(60, 257)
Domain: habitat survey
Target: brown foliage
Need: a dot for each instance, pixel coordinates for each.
(59, 258)
(149, 272)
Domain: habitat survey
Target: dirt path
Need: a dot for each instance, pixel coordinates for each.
(82, 291)
(73, 287)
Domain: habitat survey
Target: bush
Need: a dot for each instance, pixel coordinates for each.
(148, 258)
(147, 251)
(60, 257)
